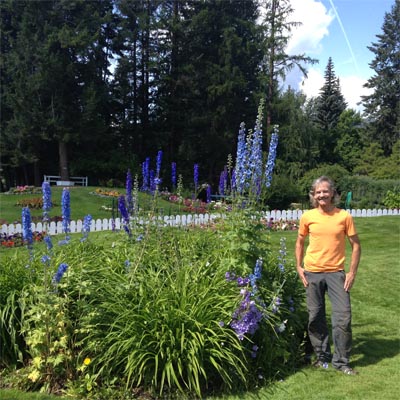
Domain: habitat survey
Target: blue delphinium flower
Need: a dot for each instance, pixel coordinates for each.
(49, 243)
(27, 226)
(223, 181)
(86, 227)
(62, 269)
(255, 156)
(158, 163)
(196, 176)
(246, 318)
(152, 181)
(66, 211)
(146, 174)
(208, 194)
(256, 275)
(173, 174)
(129, 199)
(46, 195)
(45, 259)
(271, 156)
(124, 214)
(241, 156)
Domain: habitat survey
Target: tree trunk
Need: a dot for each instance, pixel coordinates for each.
(63, 156)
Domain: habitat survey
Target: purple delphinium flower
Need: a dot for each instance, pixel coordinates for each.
(66, 211)
(152, 181)
(27, 226)
(230, 276)
(242, 281)
(255, 156)
(254, 350)
(49, 243)
(46, 195)
(196, 176)
(271, 156)
(222, 183)
(246, 318)
(129, 199)
(173, 174)
(145, 173)
(208, 194)
(241, 155)
(256, 274)
(86, 227)
(27, 234)
(158, 163)
(124, 214)
(62, 269)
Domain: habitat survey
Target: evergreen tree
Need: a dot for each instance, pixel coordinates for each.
(383, 105)
(211, 85)
(276, 30)
(55, 72)
(330, 105)
(349, 145)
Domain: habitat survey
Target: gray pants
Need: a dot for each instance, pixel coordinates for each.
(318, 285)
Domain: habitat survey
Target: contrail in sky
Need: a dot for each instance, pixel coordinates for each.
(345, 35)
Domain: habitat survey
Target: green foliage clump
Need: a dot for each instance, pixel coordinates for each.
(392, 199)
(368, 192)
(154, 311)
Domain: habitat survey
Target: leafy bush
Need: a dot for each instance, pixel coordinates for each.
(368, 192)
(155, 311)
(392, 199)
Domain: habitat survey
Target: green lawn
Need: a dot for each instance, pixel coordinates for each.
(376, 327)
(83, 202)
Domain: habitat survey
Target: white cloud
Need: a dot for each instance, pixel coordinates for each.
(308, 39)
(351, 86)
(315, 20)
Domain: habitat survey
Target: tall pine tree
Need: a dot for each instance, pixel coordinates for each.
(330, 105)
(382, 106)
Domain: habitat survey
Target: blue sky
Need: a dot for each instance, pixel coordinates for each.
(341, 29)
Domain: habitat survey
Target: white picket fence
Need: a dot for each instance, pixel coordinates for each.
(55, 228)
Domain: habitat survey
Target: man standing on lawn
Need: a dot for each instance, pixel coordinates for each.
(322, 271)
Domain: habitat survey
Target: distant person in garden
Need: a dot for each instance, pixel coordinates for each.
(321, 270)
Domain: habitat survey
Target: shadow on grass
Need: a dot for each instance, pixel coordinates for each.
(371, 350)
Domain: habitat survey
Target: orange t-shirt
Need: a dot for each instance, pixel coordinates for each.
(327, 244)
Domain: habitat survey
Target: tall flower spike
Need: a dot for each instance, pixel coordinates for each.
(255, 155)
(27, 234)
(66, 211)
(86, 227)
(158, 163)
(208, 193)
(46, 195)
(62, 269)
(241, 158)
(124, 214)
(271, 156)
(196, 176)
(173, 174)
(145, 173)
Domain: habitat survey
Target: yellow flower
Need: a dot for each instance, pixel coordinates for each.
(34, 375)
(87, 361)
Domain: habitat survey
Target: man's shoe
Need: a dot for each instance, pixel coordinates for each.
(347, 370)
(321, 364)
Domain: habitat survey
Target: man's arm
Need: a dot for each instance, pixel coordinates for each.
(355, 260)
(299, 252)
